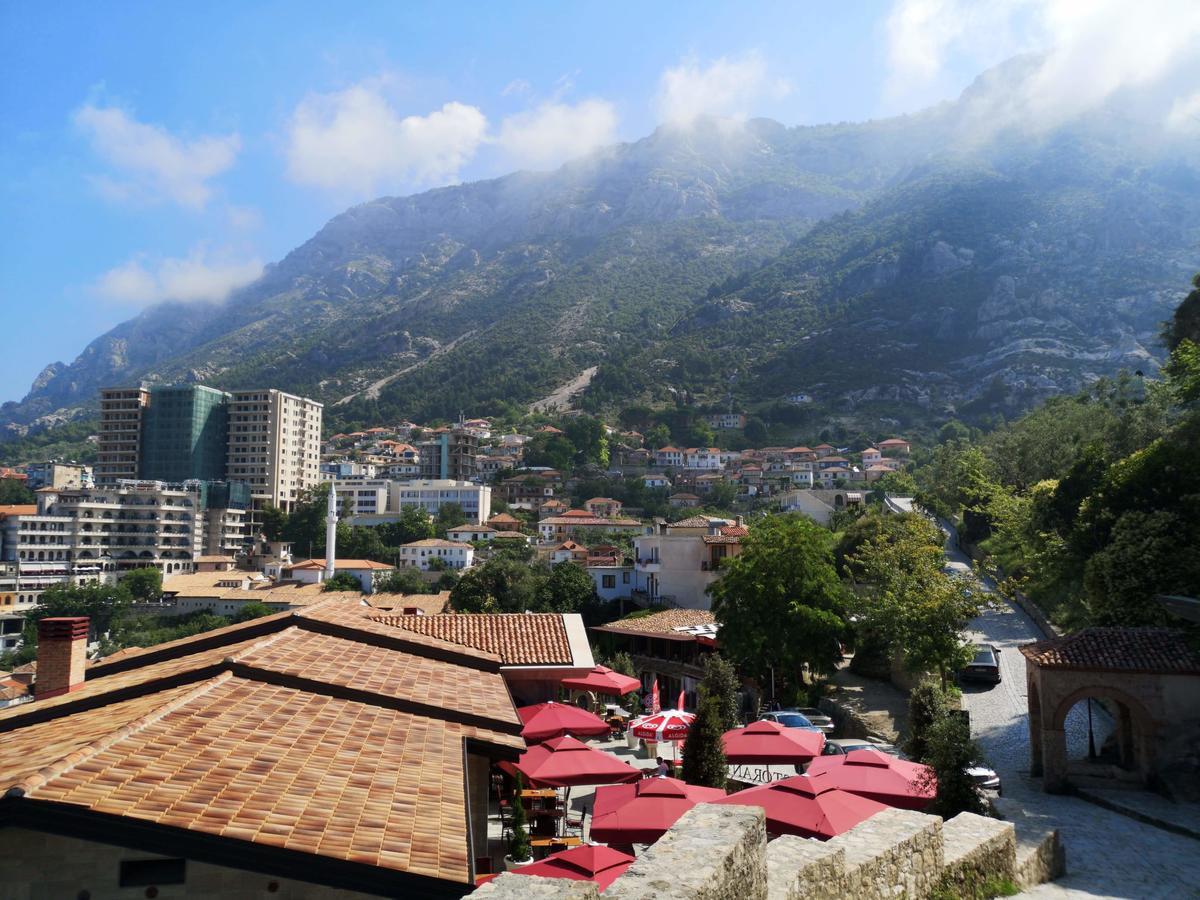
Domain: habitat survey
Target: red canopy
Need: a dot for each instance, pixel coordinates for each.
(879, 776)
(565, 762)
(806, 806)
(768, 743)
(543, 721)
(640, 813)
(603, 680)
(602, 865)
(668, 725)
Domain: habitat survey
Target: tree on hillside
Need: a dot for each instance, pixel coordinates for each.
(704, 760)
(144, 585)
(499, 585)
(342, 581)
(252, 610)
(103, 604)
(403, 581)
(878, 525)
(755, 432)
(779, 603)
(720, 683)
(274, 522)
(569, 588)
(14, 491)
(449, 515)
(657, 436)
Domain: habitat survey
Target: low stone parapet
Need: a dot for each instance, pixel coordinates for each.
(895, 853)
(977, 849)
(803, 869)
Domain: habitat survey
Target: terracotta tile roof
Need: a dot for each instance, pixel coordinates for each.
(661, 623)
(429, 604)
(1145, 650)
(721, 539)
(691, 522)
(437, 543)
(519, 639)
(734, 530)
(340, 564)
(18, 509)
(503, 519)
(290, 731)
(510, 534)
(589, 520)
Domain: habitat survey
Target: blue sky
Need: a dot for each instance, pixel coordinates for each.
(161, 149)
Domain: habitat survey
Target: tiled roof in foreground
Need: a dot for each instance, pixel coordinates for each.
(295, 732)
(1145, 650)
(667, 623)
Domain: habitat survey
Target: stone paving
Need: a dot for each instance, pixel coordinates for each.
(1108, 854)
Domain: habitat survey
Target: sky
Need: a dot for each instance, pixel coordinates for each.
(161, 150)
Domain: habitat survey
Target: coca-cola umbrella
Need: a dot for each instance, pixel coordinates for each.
(879, 776)
(603, 680)
(602, 865)
(641, 813)
(806, 806)
(668, 725)
(543, 721)
(769, 743)
(566, 761)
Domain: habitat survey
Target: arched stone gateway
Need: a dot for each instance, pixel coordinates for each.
(1148, 677)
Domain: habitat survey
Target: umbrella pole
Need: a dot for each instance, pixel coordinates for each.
(566, 810)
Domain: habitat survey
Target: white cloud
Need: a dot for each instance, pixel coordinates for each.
(728, 87)
(1093, 48)
(1185, 113)
(193, 278)
(555, 132)
(355, 141)
(155, 163)
(516, 86)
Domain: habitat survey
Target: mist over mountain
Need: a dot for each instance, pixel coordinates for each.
(959, 261)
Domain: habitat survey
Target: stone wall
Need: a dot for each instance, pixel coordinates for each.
(1040, 856)
(713, 852)
(720, 853)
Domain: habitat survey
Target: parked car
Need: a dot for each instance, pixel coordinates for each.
(818, 718)
(984, 666)
(790, 718)
(842, 746)
(985, 778)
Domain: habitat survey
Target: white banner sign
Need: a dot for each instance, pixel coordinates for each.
(746, 773)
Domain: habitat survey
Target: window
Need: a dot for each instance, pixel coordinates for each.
(624, 578)
(148, 872)
(608, 581)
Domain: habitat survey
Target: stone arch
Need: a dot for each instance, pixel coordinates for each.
(1135, 732)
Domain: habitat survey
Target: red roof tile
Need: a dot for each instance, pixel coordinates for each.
(1146, 650)
(519, 639)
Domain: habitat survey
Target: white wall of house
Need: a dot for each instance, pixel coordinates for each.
(672, 566)
(612, 582)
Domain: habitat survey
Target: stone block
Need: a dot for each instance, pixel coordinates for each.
(510, 886)
(803, 869)
(712, 853)
(895, 853)
(977, 848)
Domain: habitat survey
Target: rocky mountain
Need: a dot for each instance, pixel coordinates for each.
(913, 263)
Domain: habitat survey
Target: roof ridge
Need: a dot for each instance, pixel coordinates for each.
(259, 645)
(87, 751)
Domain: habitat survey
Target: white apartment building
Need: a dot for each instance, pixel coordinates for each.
(274, 445)
(453, 554)
(676, 565)
(362, 496)
(375, 501)
(703, 458)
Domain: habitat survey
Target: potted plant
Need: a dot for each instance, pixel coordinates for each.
(520, 851)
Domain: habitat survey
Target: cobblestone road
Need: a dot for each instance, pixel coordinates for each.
(1108, 855)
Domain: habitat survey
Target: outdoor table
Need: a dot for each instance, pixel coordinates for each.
(552, 843)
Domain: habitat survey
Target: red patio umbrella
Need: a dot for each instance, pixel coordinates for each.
(602, 865)
(603, 680)
(641, 813)
(668, 725)
(879, 776)
(806, 806)
(565, 761)
(543, 721)
(767, 743)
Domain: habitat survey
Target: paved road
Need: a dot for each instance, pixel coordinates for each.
(1108, 855)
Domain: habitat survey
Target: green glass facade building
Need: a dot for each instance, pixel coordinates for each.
(185, 434)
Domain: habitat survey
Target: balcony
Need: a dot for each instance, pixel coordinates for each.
(651, 564)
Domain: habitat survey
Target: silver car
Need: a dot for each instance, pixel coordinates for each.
(818, 718)
(791, 718)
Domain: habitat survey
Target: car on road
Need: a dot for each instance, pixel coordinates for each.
(818, 718)
(985, 778)
(984, 665)
(790, 718)
(842, 746)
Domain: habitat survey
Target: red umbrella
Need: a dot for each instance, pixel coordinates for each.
(879, 776)
(602, 865)
(767, 743)
(805, 806)
(668, 725)
(603, 680)
(543, 721)
(640, 813)
(565, 761)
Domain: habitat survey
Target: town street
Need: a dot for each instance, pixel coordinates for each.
(1108, 855)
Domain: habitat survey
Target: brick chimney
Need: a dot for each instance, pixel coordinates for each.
(62, 653)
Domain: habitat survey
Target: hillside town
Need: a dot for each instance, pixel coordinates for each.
(223, 561)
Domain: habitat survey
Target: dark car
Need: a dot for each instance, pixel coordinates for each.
(790, 718)
(984, 666)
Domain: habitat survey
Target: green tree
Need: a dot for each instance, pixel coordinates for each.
(14, 491)
(519, 847)
(720, 683)
(499, 585)
(274, 522)
(569, 588)
(144, 585)
(917, 609)
(253, 610)
(305, 525)
(342, 581)
(950, 752)
(780, 603)
(657, 436)
(103, 604)
(927, 704)
(449, 515)
(403, 581)
(755, 432)
(723, 496)
(704, 760)
(877, 525)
